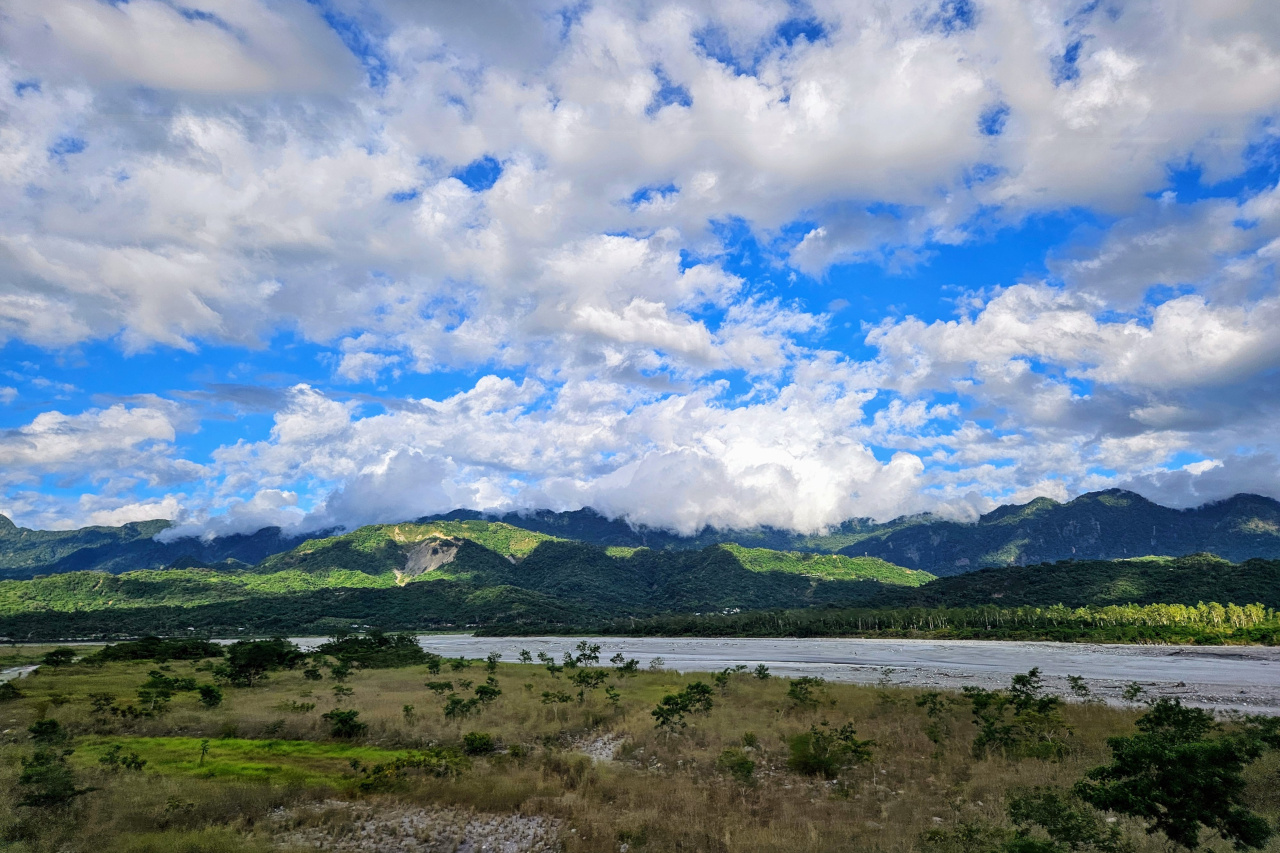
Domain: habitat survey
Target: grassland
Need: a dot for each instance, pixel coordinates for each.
(220, 778)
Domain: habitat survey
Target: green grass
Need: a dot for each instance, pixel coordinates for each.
(827, 566)
(78, 591)
(284, 762)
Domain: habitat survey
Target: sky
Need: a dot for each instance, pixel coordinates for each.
(769, 262)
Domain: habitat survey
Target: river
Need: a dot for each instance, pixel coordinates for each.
(1242, 678)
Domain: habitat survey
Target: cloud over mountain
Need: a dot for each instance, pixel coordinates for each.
(759, 263)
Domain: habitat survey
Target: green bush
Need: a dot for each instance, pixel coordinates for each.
(344, 724)
(737, 764)
(210, 696)
(696, 698)
(478, 743)
(46, 781)
(1021, 722)
(826, 752)
(803, 692)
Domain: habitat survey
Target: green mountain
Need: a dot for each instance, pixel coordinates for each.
(1097, 526)
(1110, 525)
(436, 575)
(25, 552)
(1146, 580)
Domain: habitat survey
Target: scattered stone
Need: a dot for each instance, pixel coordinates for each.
(370, 828)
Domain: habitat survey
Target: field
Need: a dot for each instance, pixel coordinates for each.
(583, 766)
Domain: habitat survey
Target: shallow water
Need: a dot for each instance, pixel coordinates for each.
(1245, 678)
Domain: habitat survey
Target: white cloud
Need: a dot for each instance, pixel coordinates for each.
(172, 180)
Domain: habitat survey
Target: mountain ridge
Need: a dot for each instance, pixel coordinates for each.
(1105, 525)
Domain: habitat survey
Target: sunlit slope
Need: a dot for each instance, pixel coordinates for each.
(1150, 580)
(438, 575)
(827, 566)
(379, 549)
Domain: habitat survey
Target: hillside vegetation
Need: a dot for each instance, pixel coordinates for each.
(1100, 525)
(25, 552)
(369, 577)
(1150, 580)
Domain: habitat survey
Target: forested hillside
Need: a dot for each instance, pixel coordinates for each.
(1097, 526)
(25, 553)
(436, 576)
(1149, 580)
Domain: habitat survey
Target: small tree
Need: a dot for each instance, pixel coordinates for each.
(1181, 773)
(525, 657)
(803, 692)
(1021, 722)
(696, 698)
(344, 724)
(58, 657)
(935, 709)
(626, 667)
(761, 672)
(587, 653)
(491, 662)
(210, 696)
(588, 680)
(46, 781)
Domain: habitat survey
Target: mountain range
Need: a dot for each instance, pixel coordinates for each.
(1106, 525)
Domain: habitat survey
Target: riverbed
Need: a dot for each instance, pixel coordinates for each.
(1239, 678)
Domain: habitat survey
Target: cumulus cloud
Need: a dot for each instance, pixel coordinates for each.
(545, 201)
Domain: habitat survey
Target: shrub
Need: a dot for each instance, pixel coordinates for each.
(737, 764)
(761, 672)
(344, 724)
(210, 696)
(803, 692)
(376, 650)
(439, 687)
(48, 733)
(46, 781)
(116, 758)
(58, 657)
(478, 743)
(8, 692)
(1021, 722)
(156, 649)
(671, 711)
(826, 752)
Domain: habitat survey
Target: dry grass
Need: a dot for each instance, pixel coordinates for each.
(662, 793)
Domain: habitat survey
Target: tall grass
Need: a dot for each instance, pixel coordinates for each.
(664, 791)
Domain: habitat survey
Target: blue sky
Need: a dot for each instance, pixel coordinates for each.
(326, 263)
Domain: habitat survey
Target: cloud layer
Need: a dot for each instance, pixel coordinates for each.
(641, 233)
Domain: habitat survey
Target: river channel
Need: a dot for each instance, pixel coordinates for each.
(1242, 678)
